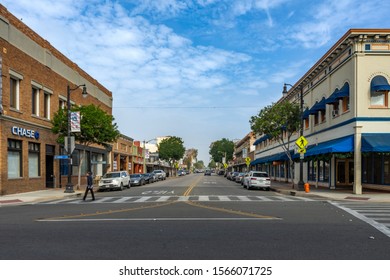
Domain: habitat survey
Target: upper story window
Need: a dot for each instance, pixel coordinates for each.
(14, 93)
(46, 105)
(35, 101)
(379, 92)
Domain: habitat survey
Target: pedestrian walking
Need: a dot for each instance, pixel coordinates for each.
(89, 186)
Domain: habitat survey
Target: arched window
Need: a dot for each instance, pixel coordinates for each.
(379, 92)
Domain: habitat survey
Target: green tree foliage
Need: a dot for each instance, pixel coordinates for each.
(212, 164)
(171, 149)
(199, 164)
(220, 148)
(279, 121)
(97, 127)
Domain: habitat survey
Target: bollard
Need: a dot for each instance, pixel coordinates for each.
(307, 187)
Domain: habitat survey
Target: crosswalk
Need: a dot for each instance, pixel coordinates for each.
(194, 198)
(375, 214)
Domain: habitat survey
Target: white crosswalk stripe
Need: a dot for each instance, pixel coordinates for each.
(200, 198)
(377, 215)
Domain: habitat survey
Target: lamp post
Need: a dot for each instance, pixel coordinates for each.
(145, 152)
(300, 182)
(69, 185)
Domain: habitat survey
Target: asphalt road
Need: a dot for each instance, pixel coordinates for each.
(191, 217)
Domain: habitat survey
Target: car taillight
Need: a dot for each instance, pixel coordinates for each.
(253, 179)
(268, 179)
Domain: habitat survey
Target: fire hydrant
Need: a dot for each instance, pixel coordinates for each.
(307, 187)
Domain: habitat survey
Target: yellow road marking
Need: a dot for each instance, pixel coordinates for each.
(230, 211)
(110, 211)
(192, 186)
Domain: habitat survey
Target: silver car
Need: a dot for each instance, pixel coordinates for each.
(115, 180)
(258, 180)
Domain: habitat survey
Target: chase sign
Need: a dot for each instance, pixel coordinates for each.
(23, 132)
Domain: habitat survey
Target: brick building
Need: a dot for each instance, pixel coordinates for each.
(33, 86)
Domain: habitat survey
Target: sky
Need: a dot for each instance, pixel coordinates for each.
(195, 69)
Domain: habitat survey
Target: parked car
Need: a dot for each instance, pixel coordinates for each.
(181, 173)
(234, 175)
(148, 177)
(115, 180)
(137, 180)
(207, 172)
(161, 175)
(239, 177)
(221, 172)
(257, 179)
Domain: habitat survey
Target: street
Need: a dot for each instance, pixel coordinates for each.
(190, 217)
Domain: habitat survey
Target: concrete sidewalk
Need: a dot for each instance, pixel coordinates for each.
(38, 196)
(337, 194)
(284, 188)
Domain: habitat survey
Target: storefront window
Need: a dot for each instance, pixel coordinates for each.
(14, 158)
(33, 160)
(386, 169)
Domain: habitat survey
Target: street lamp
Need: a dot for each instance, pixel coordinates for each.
(69, 185)
(145, 152)
(300, 182)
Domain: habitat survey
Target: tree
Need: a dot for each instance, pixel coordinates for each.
(222, 148)
(279, 121)
(190, 155)
(171, 149)
(199, 164)
(212, 164)
(97, 127)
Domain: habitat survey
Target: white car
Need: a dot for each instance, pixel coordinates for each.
(115, 180)
(258, 180)
(160, 174)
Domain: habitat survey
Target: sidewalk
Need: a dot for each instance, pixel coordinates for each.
(338, 194)
(284, 188)
(37, 196)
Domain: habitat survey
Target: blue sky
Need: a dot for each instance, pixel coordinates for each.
(196, 69)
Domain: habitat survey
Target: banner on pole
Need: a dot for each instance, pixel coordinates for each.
(75, 122)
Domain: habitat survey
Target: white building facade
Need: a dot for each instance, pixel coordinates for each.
(346, 118)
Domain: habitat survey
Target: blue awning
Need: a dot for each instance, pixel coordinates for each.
(376, 142)
(340, 145)
(379, 83)
(306, 114)
(261, 139)
(318, 106)
(338, 94)
(343, 92)
(276, 157)
(332, 98)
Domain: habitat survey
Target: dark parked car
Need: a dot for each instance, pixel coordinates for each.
(149, 178)
(137, 180)
(207, 172)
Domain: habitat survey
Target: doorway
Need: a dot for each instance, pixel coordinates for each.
(50, 178)
(344, 172)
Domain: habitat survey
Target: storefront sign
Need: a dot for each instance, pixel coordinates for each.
(23, 132)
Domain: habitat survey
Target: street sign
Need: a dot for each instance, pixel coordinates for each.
(248, 161)
(61, 157)
(225, 165)
(301, 142)
(72, 145)
(301, 150)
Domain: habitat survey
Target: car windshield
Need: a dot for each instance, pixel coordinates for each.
(112, 175)
(259, 175)
(135, 175)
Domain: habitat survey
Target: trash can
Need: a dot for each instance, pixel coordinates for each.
(306, 187)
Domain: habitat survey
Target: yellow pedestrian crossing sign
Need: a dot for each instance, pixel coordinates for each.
(301, 150)
(301, 142)
(225, 165)
(248, 161)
